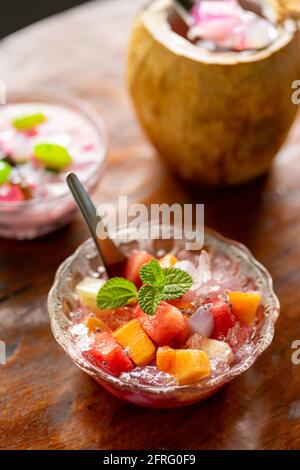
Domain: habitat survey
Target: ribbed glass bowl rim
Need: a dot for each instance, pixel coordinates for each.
(61, 336)
(52, 95)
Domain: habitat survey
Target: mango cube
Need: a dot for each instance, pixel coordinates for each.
(186, 365)
(133, 338)
(87, 291)
(165, 358)
(245, 305)
(95, 324)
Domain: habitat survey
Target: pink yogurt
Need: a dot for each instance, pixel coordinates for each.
(46, 203)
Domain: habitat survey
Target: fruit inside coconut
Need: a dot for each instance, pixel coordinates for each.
(212, 88)
(223, 25)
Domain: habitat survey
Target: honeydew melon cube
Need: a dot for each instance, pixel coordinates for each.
(217, 350)
(87, 291)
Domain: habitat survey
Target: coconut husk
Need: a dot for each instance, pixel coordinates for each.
(286, 8)
(215, 119)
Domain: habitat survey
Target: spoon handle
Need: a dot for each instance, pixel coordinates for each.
(85, 205)
(183, 8)
(186, 4)
(111, 256)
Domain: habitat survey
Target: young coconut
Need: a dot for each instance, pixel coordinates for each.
(215, 117)
(286, 8)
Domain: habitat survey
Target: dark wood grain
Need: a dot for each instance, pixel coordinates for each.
(45, 401)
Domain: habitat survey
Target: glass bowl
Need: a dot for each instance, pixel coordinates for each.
(62, 300)
(36, 217)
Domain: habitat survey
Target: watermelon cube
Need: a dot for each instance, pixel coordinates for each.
(133, 265)
(162, 327)
(108, 354)
(224, 319)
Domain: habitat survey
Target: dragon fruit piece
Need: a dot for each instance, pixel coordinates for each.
(228, 25)
(202, 322)
(215, 20)
(256, 34)
(204, 10)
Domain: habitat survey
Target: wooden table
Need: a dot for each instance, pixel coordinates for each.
(45, 401)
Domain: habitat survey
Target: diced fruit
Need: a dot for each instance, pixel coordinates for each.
(104, 314)
(168, 261)
(109, 355)
(202, 322)
(112, 318)
(11, 193)
(132, 337)
(88, 289)
(5, 170)
(186, 365)
(224, 319)
(217, 350)
(162, 327)
(29, 121)
(120, 316)
(195, 341)
(191, 365)
(95, 324)
(181, 337)
(165, 359)
(53, 156)
(245, 305)
(133, 265)
(181, 303)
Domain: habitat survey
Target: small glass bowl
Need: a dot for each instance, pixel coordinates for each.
(62, 300)
(36, 217)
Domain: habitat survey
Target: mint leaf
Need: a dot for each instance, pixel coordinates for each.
(151, 273)
(161, 284)
(177, 282)
(149, 298)
(116, 292)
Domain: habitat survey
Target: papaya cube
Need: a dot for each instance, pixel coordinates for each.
(87, 291)
(245, 305)
(186, 365)
(165, 359)
(95, 324)
(133, 338)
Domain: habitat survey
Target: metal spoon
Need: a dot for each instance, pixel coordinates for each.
(184, 8)
(112, 257)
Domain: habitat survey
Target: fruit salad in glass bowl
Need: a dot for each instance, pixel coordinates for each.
(174, 327)
(43, 136)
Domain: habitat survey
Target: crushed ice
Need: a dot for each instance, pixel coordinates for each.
(80, 334)
(148, 375)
